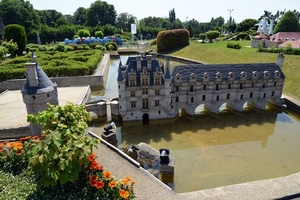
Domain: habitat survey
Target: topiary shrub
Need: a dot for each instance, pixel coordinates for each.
(3, 52)
(171, 39)
(74, 46)
(153, 42)
(242, 36)
(43, 48)
(94, 44)
(60, 47)
(31, 47)
(100, 47)
(111, 46)
(83, 33)
(99, 34)
(83, 47)
(16, 33)
(234, 45)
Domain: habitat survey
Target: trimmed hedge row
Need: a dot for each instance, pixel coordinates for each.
(234, 45)
(55, 64)
(288, 50)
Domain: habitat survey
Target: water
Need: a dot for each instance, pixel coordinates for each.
(211, 152)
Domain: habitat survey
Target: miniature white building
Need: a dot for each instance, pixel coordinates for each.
(148, 91)
(264, 27)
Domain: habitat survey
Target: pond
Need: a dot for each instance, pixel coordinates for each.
(211, 152)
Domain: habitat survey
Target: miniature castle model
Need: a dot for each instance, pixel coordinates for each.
(148, 91)
(264, 27)
(38, 91)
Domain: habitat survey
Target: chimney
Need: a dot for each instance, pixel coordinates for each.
(280, 59)
(31, 74)
(149, 62)
(138, 63)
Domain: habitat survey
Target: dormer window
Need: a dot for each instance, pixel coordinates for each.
(276, 74)
(254, 75)
(192, 77)
(243, 75)
(218, 75)
(205, 76)
(266, 74)
(230, 75)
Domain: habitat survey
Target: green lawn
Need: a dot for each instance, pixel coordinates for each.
(218, 53)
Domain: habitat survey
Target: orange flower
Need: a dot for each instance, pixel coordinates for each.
(99, 185)
(92, 157)
(19, 152)
(112, 184)
(5, 142)
(25, 138)
(10, 144)
(107, 175)
(124, 194)
(124, 181)
(1, 150)
(18, 146)
(133, 182)
(35, 137)
(128, 178)
(2, 145)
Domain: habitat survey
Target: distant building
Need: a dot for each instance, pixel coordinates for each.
(282, 37)
(148, 90)
(264, 27)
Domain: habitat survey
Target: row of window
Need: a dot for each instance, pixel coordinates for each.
(145, 81)
(229, 86)
(227, 97)
(144, 91)
(145, 103)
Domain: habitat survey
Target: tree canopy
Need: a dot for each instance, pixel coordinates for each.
(288, 23)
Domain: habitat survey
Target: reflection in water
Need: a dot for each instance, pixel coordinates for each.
(211, 152)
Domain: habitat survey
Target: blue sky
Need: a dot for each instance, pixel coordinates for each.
(200, 10)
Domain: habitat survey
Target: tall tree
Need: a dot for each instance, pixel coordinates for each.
(101, 13)
(246, 24)
(172, 15)
(20, 12)
(52, 18)
(80, 16)
(124, 21)
(288, 23)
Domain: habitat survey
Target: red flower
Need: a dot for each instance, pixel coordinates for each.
(99, 168)
(19, 152)
(94, 177)
(94, 165)
(93, 183)
(99, 185)
(112, 184)
(92, 157)
(2, 145)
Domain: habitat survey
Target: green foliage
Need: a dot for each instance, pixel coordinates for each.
(61, 155)
(100, 47)
(16, 33)
(60, 47)
(42, 48)
(3, 52)
(94, 44)
(101, 13)
(288, 50)
(212, 35)
(83, 33)
(11, 46)
(236, 45)
(288, 23)
(31, 47)
(99, 34)
(202, 37)
(242, 36)
(111, 46)
(246, 25)
(171, 39)
(153, 42)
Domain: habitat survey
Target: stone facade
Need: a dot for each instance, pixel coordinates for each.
(38, 91)
(148, 90)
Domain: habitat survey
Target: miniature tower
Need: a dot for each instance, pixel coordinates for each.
(38, 90)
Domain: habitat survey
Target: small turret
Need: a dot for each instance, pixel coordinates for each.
(280, 60)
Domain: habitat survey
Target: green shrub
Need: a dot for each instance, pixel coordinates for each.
(31, 47)
(153, 42)
(83, 33)
(100, 47)
(234, 45)
(94, 44)
(16, 33)
(202, 37)
(60, 47)
(3, 52)
(43, 48)
(11, 46)
(171, 39)
(61, 155)
(111, 46)
(99, 34)
(242, 36)
(74, 46)
(84, 46)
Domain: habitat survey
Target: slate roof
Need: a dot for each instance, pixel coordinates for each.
(186, 70)
(132, 64)
(44, 83)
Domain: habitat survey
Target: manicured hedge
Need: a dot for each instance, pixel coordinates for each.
(172, 39)
(288, 50)
(54, 63)
(236, 45)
